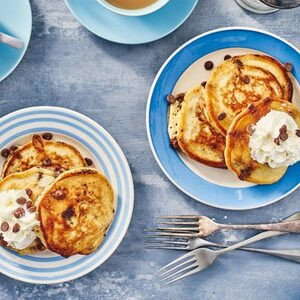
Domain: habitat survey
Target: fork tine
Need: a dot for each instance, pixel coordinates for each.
(193, 259)
(181, 270)
(168, 242)
(165, 247)
(179, 217)
(176, 229)
(177, 260)
(179, 223)
(176, 234)
(182, 276)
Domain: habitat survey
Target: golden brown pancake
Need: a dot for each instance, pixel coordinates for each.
(196, 137)
(237, 152)
(76, 211)
(35, 179)
(242, 80)
(51, 155)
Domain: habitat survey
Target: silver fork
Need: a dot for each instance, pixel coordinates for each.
(199, 259)
(202, 226)
(195, 243)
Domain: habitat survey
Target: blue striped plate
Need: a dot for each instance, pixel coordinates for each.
(183, 70)
(94, 142)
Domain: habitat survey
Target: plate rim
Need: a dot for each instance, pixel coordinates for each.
(150, 141)
(131, 191)
(133, 43)
(16, 64)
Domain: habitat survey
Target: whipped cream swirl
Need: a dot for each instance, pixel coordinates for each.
(17, 219)
(275, 140)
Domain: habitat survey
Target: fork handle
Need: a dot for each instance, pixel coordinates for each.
(289, 226)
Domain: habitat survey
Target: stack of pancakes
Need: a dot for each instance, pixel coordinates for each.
(211, 123)
(74, 203)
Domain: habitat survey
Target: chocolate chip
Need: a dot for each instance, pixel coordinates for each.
(252, 108)
(59, 194)
(16, 228)
(4, 226)
(227, 56)
(204, 83)
(68, 213)
(221, 116)
(245, 173)
(208, 65)
(13, 148)
(277, 141)
(28, 192)
(5, 153)
(283, 129)
(47, 136)
(47, 162)
(246, 79)
(180, 97)
(171, 99)
(239, 63)
(88, 161)
(250, 129)
(59, 171)
(283, 136)
(288, 67)
(19, 212)
(297, 132)
(29, 204)
(32, 209)
(21, 200)
(174, 143)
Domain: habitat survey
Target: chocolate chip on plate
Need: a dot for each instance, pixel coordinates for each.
(5, 153)
(47, 162)
(32, 209)
(297, 132)
(29, 192)
(88, 161)
(47, 136)
(29, 204)
(204, 83)
(21, 200)
(277, 141)
(16, 228)
(288, 67)
(171, 99)
(283, 136)
(208, 65)
(221, 116)
(59, 194)
(246, 79)
(4, 226)
(227, 56)
(19, 212)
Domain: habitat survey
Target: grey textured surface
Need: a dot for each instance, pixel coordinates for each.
(68, 66)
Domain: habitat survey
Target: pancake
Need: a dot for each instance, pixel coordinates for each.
(35, 179)
(237, 151)
(51, 155)
(76, 211)
(196, 137)
(242, 80)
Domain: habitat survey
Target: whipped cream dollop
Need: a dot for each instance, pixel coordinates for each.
(17, 219)
(275, 140)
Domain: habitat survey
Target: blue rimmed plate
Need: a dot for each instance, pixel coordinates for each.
(128, 29)
(94, 142)
(15, 20)
(182, 71)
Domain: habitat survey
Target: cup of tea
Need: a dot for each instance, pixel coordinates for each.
(133, 7)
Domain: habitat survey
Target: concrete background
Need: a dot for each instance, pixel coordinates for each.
(68, 66)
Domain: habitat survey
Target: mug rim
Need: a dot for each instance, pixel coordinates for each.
(134, 12)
